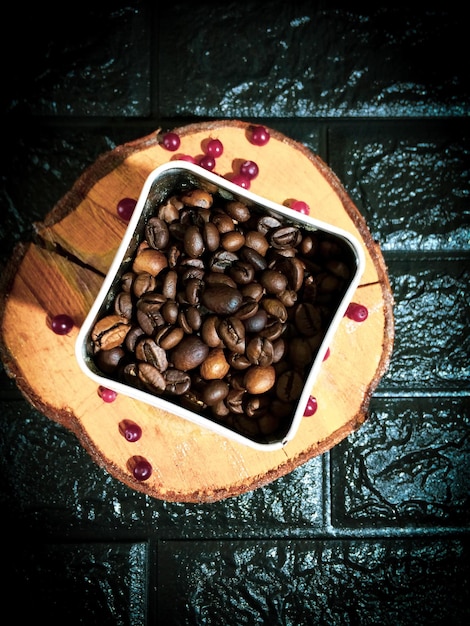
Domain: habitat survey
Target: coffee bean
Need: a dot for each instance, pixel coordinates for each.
(176, 381)
(259, 379)
(189, 353)
(157, 234)
(109, 332)
(222, 299)
(289, 386)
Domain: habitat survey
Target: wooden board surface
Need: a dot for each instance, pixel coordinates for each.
(61, 272)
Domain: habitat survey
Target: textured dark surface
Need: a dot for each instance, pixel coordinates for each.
(377, 530)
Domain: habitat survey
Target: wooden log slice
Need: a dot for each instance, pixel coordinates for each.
(62, 270)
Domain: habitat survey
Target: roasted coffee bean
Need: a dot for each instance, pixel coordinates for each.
(151, 261)
(238, 211)
(193, 242)
(254, 290)
(242, 272)
(248, 309)
(215, 365)
(193, 317)
(256, 406)
(273, 329)
(193, 290)
(109, 332)
(223, 222)
(232, 241)
(169, 336)
(217, 278)
(209, 332)
(149, 318)
(176, 382)
(259, 379)
(222, 260)
(109, 360)
(220, 409)
(257, 322)
(210, 236)
(142, 283)
(151, 377)
(274, 308)
(157, 234)
(169, 311)
(197, 198)
(300, 352)
(254, 258)
(170, 284)
(234, 400)
(214, 392)
(232, 332)
(189, 353)
(308, 319)
(260, 351)
(273, 281)
(267, 223)
(148, 350)
(257, 240)
(123, 304)
(132, 337)
(126, 281)
(222, 299)
(238, 361)
(283, 237)
(289, 386)
(294, 271)
(288, 297)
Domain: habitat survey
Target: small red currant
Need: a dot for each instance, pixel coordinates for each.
(357, 312)
(249, 169)
(327, 354)
(125, 207)
(300, 206)
(186, 157)
(214, 148)
(311, 407)
(207, 162)
(259, 135)
(241, 180)
(107, 395)
(130, 430)
(171, 141)
(140, 467)
(61, 324)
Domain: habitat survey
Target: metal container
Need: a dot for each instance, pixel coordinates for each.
(174, 178)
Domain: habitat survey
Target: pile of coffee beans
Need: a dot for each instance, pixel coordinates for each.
(222, 309)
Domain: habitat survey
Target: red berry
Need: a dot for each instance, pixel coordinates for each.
(311, 407)
(171, 141)
(300, 206)
(327, 354)
(214, 148)
(125, 207)
(249, 169)
(357, 312)
(207, 162)
(140, 467)
(130, 430)
(186, 157)
(107, 395)
(62, 324)
(259, 135)
(241, 180)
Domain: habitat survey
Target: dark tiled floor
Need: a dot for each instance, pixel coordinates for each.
(376, 530)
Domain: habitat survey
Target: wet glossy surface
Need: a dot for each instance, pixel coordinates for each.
(376, 531)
